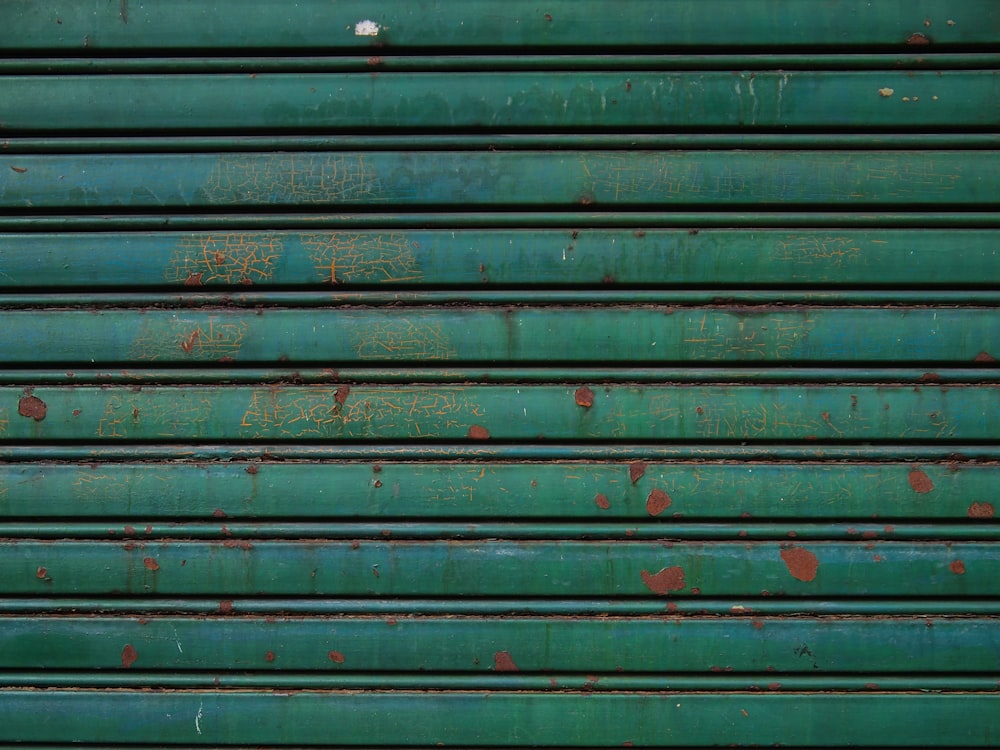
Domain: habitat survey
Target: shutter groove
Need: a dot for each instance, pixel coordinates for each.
(481, 375)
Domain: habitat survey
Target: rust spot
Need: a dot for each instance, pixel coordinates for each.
(41, 573)
(251, 469)
(76, 412)
(336, 657)
(602, 502)
(657, 502)
(377, 468)
(355, 544)
(667, 580)
(920, 482)
(242, 544)
(801, 563)
(225, 607)
(918, 38)
(219, 513)
(341, 394)
(33, 407)
(548, 16)
(871, 686)
(636, 470)
(869, 534)
(269, 656)
(584, 397)
(609, 279)
(693, 232)
(193, 280)
(957, 567)
(378, 484)
(981, 510)
(929, 377)
(502, 662)
(392, 621)
(774, 686)
(189, 343)
(376, 60)
(150, 563)
(130, 530)
(586, 200)
(20, 170)
(639, 233)
(128, 656)
(478, 433)
(984, 357)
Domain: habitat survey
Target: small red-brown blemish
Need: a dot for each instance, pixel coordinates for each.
(341, 394)
(602, 502)
(636, 470)
(871, 686)
(188, 344)
(981, 510)
(667, 580)
(224, 530)
(251, 469)
(33, 407)
(128, 656)
(929, 377)
(193, 280)
(918, 38)
(657, 502)
(225, 607)
(150, 563)
(375, 61)
(355, 544)
(920, 482)
(548, 16)
(20, 170)
(392, 621)
(336, 657)
(503, 662)
(76, 412)
(957, 567)
(801, 563)
(758, 624)
(869, 534)
(269, 656)
(584, 397)
(774, 686)
(984, 357)
(889, 529)
(41, 573)
(219, 513)
(672, 607)
(130, 530)
(478, 433)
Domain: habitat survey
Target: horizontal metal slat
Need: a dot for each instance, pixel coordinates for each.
(474, 258)
(466, 335)
(390, 491)
(635, 100)
(333, 645)
(205, 717)
(554, 180)
(189, 26)
(239, 567)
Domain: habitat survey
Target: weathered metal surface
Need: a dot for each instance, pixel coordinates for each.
(336, 645)
(240, 567)
(507, 413)
(206, 717)
(512, 334)
(352, 25)
(473, 258)
(500, 101)
(871, 494)
(553, 180)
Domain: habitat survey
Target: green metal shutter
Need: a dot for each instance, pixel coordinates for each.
(499, 374)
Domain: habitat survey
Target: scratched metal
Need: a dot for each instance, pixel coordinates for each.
(470, 258)
(518, 179)
(507, 413)
(518, 25)
(500, 101)
(872, 494)
(483, 645)
(243, 567)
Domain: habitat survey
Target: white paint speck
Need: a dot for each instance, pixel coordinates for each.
(366, 28)
(197, 717)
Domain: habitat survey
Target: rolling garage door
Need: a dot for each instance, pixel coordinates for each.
(490, 374)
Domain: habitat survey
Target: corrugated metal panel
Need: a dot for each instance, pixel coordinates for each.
(485, 374)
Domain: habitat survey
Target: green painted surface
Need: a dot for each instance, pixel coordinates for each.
(501, 718)
(472, 258)
(479, 413)
(96, 26)
(392, 491)
(239, 567)
(500, 101)
(544, 179)
(571, 334)
(338, 645)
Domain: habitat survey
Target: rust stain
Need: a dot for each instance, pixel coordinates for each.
(801, 563)
(341, 394)
(918, 38)
(657, 502)
(269, 656)
(981, 510)
(20, 170)
(128, 656)
(33, 407)
(226, 607)
(336, 657)
(41, 573)
(636, 470)
(920, 482)
(667, 580)
(584, 397)
(219, 513)
(150, 563)
(601, 501)
(478, 433)
(984, 357)
(193, 280)
(189, 343)
(251, 469)
(129, 530)
(503, 662)
(957, 567)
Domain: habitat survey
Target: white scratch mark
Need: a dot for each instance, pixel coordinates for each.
(366, 28)
(197, 717)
